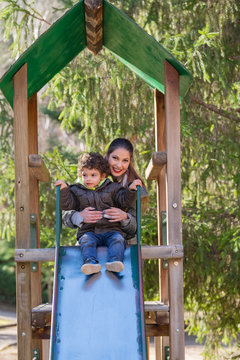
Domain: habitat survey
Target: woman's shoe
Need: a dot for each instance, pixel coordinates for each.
(115, 266)
(90, 267)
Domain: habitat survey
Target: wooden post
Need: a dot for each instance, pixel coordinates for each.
(36, 291)
(160, 145)
(174, 220)
(23, 271)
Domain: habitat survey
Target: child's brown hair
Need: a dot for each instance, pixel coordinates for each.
(93, 160)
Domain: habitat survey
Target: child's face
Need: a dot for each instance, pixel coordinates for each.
(91, 177)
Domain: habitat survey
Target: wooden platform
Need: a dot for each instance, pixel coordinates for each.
(156, 317)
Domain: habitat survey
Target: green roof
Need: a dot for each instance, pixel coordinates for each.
(66, 38)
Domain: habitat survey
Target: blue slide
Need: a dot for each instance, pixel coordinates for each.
(100, 316)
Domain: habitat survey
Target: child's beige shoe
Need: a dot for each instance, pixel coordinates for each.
(115, 266)
(90, 267)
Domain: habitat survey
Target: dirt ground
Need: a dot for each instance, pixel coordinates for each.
(8, 338)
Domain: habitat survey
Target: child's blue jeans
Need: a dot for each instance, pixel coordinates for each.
(114, 241)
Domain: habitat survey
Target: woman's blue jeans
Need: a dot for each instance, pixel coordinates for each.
(114, 241)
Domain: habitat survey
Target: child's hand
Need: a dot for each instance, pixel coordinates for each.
(61, 183)
(134, 184)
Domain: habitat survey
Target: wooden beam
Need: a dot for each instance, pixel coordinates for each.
(27, 255)
(41, 333)
(160, 145)
(37, 168)
(161, 252)
(172, 105)
(41, 319)
(33, 193)
(41, 315)
(22, 210)
(155, 306)
(148, 252)
(158, 160)
(174, 221)
(93, 22)
(157, 330)
(151, 330)
(156, 313)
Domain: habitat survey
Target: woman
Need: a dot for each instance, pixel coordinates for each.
(120, 157)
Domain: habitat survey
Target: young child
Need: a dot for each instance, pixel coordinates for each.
(97, 191)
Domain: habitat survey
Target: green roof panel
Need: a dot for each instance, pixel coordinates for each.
(66, 38)
(50, 52)
(138, 50)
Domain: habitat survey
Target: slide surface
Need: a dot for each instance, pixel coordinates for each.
(100, 316)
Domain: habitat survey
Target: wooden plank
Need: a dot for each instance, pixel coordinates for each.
(41, 315)
(157, 330)
(148, 252)
(176, 332)
(155, 306)
(93, 23)
(23, 273)
(157, 325)
(158, 160)
(172, 103)
(36, 289)
(160, 145)
(45, 348)
(41, 333)
(158, 347)
(174, 221)
(43, 255)
(148, 343)
(156, 313)
(21, 154)
(23, 293)
(162, 252)
(37, 168)
(151, 330)
(155, 317)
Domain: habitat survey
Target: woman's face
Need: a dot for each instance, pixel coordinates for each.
(119, 161)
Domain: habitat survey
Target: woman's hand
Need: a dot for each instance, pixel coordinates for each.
(134, 184)
(61, 183)
(115, 214)
(90, 215)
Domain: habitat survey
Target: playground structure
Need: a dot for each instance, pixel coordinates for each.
(94, 24)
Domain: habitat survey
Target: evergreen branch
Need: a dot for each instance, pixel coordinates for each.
(215, 109)
(222, 215)
(35, 14)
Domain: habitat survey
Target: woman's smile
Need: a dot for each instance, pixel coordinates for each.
(117, 170)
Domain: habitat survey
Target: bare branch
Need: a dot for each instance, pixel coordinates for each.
(215, 109)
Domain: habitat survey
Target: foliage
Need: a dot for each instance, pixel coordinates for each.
(100, 99)
(22, 24)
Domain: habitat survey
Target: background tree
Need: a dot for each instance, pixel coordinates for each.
(92, 93)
